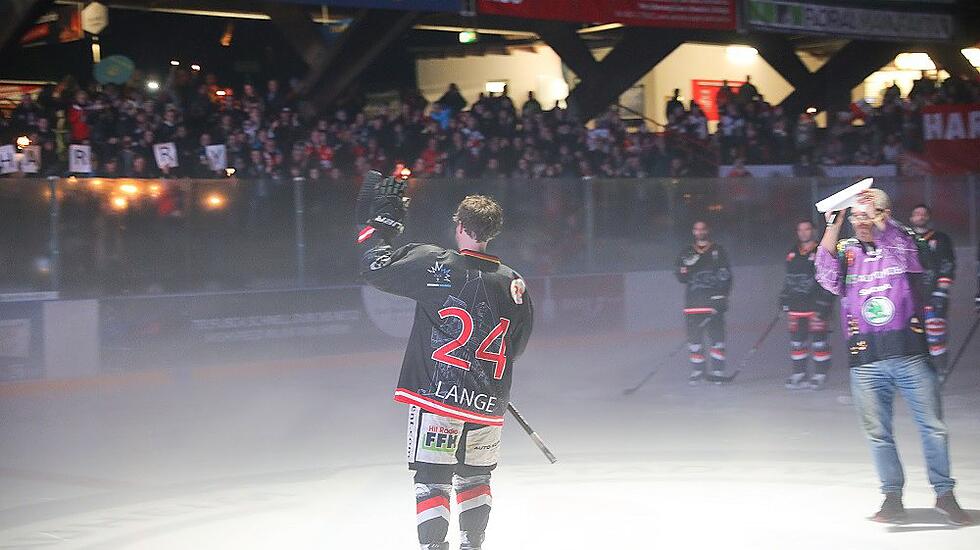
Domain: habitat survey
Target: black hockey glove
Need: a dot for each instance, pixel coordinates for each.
(719, 303)
(380, 203)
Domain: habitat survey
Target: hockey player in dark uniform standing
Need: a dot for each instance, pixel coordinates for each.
(807, 306)
(472, 319)
(943, 273)
(703, 267)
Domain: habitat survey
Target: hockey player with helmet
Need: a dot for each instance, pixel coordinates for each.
(472, 319)
(807, 306)
(942, 274)
(704, 270)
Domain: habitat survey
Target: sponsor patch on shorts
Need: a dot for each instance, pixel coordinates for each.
(483, 446)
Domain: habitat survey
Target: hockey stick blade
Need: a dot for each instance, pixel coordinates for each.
(723, 378)
(655, 370)
(533, 434)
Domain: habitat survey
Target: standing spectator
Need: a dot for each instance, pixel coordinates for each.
(78, 118)
(724, 96)
(748, 91)
(452, 99)
(674, 105)
(531, 107)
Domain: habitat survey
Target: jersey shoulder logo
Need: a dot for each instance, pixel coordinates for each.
(517, 290)
(380, 261)
(441, 273)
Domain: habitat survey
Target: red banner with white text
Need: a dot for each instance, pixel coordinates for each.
(705, 93)
(952, 138)
(686, 14)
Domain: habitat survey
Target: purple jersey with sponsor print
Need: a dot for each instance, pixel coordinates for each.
(881, 307)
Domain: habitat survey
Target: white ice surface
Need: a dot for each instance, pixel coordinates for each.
(313, 458)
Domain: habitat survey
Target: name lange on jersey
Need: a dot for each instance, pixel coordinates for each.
(462, 396)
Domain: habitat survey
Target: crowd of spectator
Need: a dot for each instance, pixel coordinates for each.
(271, 135)
(752, 131)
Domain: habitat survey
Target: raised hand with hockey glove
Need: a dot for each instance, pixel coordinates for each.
(381, 205)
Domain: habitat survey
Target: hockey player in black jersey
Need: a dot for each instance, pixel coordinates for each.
(472, 319)
(943, 273)
(703, 267)
(808, 307)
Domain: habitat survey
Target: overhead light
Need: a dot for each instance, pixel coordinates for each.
(221, 93)
(152, 85)
(741, 55)
(174, 63)
(195, 67)
(23, 141)
(467, 37)
(480, 30)
(811, 110)
(229, 172)
(973, 55)
(914, 61)
(600, 28)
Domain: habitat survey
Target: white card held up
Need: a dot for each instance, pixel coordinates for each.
(845, 198)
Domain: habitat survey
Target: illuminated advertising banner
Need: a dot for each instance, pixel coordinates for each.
(875, 24)
(688, 14)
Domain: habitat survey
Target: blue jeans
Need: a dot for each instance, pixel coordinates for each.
(873, 387)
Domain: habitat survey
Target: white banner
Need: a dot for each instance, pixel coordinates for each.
(30, 160)
(166, 154)
(8, 160)
(80, 159)
(217, 156)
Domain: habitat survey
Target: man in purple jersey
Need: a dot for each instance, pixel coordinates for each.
(880, 279)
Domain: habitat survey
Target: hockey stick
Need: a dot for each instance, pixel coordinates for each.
(534, 435)
(656, 369)
(959, 353)
(726, 378)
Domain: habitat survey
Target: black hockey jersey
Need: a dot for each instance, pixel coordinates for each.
(473, 317)
(800, 289)
(942, 258)
(706, 273)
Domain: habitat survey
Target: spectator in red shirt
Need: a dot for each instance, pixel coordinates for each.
(77, 116)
